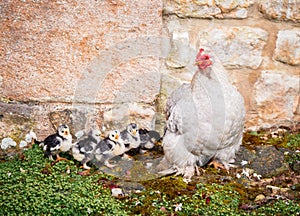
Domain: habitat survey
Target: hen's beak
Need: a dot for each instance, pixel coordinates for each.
(206, 62)
(198, 62)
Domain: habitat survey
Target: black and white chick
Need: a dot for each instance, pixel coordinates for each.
(83, 149)
(148, 139)
(109, 147)
(131, 137)
(61, 141)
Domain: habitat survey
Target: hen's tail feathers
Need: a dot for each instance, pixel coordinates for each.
(164, 168)
(169, 171)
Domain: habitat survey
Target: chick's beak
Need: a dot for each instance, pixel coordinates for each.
(134, 132)
(66, 132)
(117, 136)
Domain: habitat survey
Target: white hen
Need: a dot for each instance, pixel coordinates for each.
(205, 121)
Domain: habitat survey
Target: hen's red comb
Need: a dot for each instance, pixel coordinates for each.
(201, 50)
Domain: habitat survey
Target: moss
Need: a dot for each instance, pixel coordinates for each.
(20, 123)
(284, 140)
(32, 184)
(171, 186)
(139, 172)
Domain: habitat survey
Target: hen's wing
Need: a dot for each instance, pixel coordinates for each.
(179, 141)
(182, 92)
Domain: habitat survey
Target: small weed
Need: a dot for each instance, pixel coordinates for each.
(293, 141)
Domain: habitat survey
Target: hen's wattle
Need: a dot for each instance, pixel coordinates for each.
(203, 60)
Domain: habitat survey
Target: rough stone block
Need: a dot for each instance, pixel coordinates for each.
(276, 97)
(237, 47)
(47, 48)
(288, 47)
(120, 115)
(208, 9)
(280, 10)
(16, 120)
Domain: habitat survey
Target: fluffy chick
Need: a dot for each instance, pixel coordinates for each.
(83, 149)
(61, 141)
(131, 137)
(109, 147)
(148, 139)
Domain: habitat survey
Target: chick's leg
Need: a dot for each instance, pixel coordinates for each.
(126, 156)
(85, 166)
(58, 158)
(87, 169)
(106, 163)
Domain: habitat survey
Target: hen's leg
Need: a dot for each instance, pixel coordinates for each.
(217, 165)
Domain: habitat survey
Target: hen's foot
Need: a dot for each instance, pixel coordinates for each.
(217, 165)
(199, 170)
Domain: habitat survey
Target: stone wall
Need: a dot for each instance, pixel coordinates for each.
(109, 62)
(74, 61)
(258, 42)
